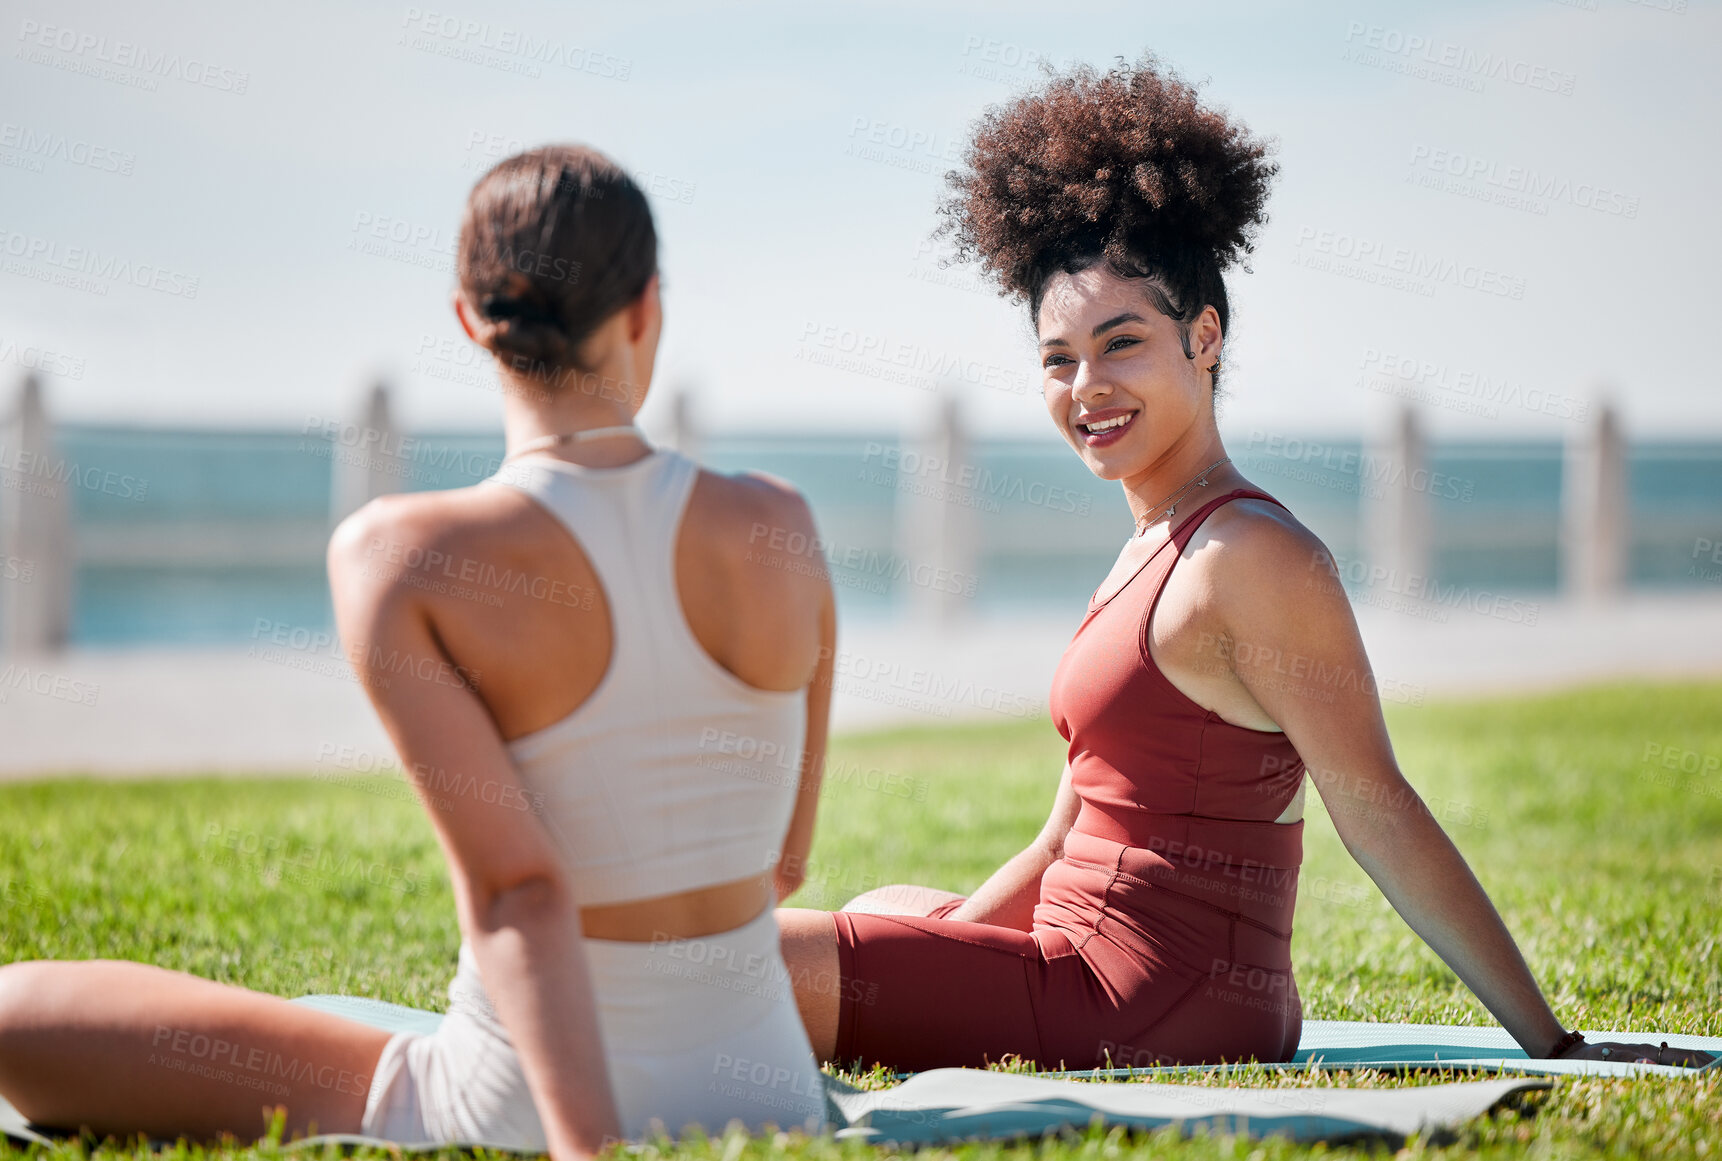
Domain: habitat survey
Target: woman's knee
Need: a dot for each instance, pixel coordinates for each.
(39, 996)
(900, 899)
(25, 1006)
(21, 986)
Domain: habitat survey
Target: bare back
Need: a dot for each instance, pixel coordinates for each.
(518, 607)
(485, 589)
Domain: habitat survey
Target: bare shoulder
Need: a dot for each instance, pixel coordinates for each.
(753, 579)
(370, 549)
(1250, 537)
(755, 508)
(1262, 567)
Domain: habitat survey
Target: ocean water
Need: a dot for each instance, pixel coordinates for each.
(202, 537)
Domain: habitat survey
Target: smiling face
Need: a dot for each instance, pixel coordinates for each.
(1117, 382)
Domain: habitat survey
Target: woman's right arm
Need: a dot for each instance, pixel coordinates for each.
(516, 906)
(1008, 896)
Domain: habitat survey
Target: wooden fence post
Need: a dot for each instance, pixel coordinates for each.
(1593, 509)
(369, 464)
(1397, 524)
(937, 535)
(36, 553)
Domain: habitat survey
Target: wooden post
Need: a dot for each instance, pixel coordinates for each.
(937, 535)
(1397, 524)
(1594, 510)
(365, 460)
(36, 559)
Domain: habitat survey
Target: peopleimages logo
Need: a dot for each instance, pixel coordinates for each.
(1369, 43)
(446, 34)
(16, 677)
(49, 145)
(852, 349)
(38, 358)
(1370, 468)
(30, 471)
(1421, 587)
(1519, 179)
(1434, 379)
(94, 269)
(908, 467)
(88, 52)
(795, 551)
(917, 140)
(1374, 256)
(857, 672)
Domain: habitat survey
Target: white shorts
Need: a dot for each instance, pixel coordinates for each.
(696, 1032)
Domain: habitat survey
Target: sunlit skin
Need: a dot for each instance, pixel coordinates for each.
(1106, 352)
(77, 1040)
(1244, 580)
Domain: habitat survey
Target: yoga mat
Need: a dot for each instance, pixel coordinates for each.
(1332, 1045)
(948, 1105)
(14, 1126)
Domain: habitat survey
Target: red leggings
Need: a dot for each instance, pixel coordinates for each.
(1135, 959)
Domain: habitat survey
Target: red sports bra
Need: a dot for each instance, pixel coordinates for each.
(1150, 765)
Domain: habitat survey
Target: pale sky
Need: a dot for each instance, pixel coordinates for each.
(1545, 172)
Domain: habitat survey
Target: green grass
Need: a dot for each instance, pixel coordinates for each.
(1607, 867)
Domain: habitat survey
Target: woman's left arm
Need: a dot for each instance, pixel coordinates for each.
(1290, 638)
(515, 901)
(791, 869)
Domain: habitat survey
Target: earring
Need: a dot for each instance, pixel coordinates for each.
(1215, 369)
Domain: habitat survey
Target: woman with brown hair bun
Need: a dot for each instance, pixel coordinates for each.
(1150, 921)
(635, 774)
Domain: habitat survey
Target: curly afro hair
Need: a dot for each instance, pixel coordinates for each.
(1125, 167)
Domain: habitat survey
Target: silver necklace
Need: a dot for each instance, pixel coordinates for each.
(1199, 480)
(557, 440)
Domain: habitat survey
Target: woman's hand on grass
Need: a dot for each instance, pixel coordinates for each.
(1621, 1053)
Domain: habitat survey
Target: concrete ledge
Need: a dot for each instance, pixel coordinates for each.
(153, 712)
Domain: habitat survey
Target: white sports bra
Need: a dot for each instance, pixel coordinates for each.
(674, 774)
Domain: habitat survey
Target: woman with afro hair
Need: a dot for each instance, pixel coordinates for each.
(1150, 921)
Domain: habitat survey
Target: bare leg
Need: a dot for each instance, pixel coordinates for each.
(124, 1048)
(809, 940)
